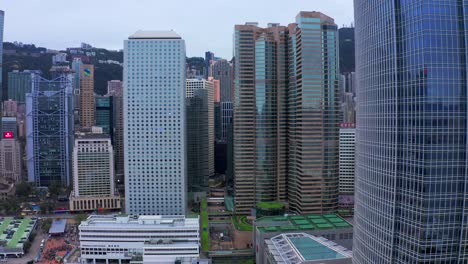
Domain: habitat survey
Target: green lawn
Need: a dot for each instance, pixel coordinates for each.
(5, 224)
(270, 205)
(205, 237)
(240, 222)
(19, 233)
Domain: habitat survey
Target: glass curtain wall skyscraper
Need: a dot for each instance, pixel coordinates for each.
(49, 130)
(314, 117)
(260, 147)
(154, 123)
(2, 19)
(411, 179)
(286, 114)
(200, 134)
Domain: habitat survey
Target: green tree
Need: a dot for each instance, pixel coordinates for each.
(80, 218)
(23, 189)
(45, 225)
(9, 206)
(27, 245)
(55, 189)
(43, 208)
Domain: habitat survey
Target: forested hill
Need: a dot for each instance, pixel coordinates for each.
(108, 63)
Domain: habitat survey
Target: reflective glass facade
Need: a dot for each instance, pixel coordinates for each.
(200, 134)
(411, 177)
(313, 129)
(104, 114)
(286, 114)
(260, 115)
(49, 130)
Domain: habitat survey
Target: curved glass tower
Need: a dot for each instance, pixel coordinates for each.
(411, 177)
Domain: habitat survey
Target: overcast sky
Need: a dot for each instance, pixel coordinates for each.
(204, 24)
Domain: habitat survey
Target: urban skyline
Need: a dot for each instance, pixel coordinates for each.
(311, 144)
(108, 33)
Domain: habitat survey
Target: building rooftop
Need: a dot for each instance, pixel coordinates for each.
(58, 226)
(154, 34)
(139, 222)
(14, 232)
(299, 247)
(300, 222)
(88, 136)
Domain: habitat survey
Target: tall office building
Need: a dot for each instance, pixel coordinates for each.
(348, 97)
(10, 108)
(9, 127)
(93, 172)
(260, 115)
(216, 89)
(104, 114)
(286, 114)
(10, 160)
(209, 59)
(2, 17)
(200, 134)
(19, 84)
(347, 147)
(313, 114)
(411, 171)
(49, 130)
(226, 110)
(86, 95)
(222, 72)
(346, 48)
(114, 89)
(154, 131)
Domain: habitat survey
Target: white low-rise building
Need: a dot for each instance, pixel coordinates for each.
(140, 239)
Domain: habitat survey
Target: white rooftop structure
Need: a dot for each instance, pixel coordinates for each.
(155, 34)
(154, 238)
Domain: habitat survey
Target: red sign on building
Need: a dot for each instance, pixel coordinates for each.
(8, 134)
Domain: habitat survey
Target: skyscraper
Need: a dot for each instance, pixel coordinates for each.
(49, 130)
(154, 129)
(76, 65)
(222, 72)
(200, 134)
(347, 166)
(209, 58)
(114, 89)
(346, 48)
(411, 170)
(2, 17)
(10, 160)
(9, 127)
(10, 108)
(286, 114)
(313, 114)
(19, 84)
(260, 147)
(226, 119)
(86, 95)
(93, 172)
(104, 114)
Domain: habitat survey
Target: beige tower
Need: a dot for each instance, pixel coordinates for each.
(86, 95)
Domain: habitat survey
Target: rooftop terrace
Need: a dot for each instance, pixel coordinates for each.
(14, 232)
(300, 222)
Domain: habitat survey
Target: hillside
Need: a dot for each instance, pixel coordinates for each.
(106, 62)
